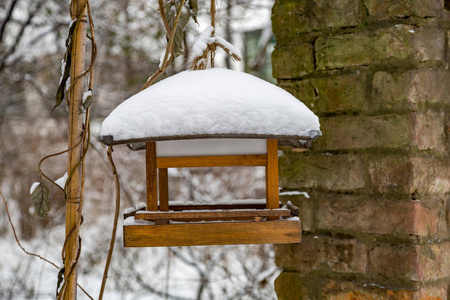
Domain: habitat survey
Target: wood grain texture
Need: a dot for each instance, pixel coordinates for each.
(75, 153)
(151, 176)
(213, 214)
(272, 193)
(219, 206)
(219, 233)
(211, 161)
(163, 189)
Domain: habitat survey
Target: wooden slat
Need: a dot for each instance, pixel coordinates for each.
(222, 219)
(213, 214)
(219, 233)
(152, 183)
(219, 206)
(211, 161)
(272, 193)
(163, 189)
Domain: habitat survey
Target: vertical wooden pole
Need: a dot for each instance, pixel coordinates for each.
(75, 154)
(163, 189)
(151, 176)
(272, 193)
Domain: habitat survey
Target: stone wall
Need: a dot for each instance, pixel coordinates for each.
(377, 220)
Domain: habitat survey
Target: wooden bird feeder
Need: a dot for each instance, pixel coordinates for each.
(219, 138)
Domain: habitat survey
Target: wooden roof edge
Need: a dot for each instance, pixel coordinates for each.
(137, 144)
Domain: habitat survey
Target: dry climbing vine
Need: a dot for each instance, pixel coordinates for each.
(174, 23)
(40, 190)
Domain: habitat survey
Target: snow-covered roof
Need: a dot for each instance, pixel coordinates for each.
(212, 103)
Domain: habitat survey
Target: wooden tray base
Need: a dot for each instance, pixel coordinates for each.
(213, 233)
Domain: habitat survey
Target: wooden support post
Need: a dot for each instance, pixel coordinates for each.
(163, 189)
(73, 213)
(152, 176)
(272, 193)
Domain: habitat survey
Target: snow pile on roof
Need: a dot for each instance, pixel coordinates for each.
(209, 103)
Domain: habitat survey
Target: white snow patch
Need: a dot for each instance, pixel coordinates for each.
(210, 102)
(62, 181)
(161, 60)
(129, 210)
(206, 39)
(72, 22)
(86, 95)
(33, 187)
(132, 221)
(67, 86)
(226, 44)
(202, 42)
(374, 285)
(294, 193)
(63, 67)
(141, 205)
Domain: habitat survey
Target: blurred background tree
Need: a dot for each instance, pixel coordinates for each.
(130, 39)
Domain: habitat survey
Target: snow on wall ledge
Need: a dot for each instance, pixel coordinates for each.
(210, 103)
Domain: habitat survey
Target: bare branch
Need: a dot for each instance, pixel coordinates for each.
(30, 253)
(168, 57)
(163, 17)
(7, 19)
(20, 34)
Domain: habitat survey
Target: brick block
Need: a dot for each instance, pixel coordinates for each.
(292, 61)
(289, 19)
(323, 253)
(358, 132)
(417, 176)
(430, 176)
(412, 90)
(331, 94)
(353, 214)
(420, 263)
(291, 286)
(333, 14)
(391, 175)
(292, 18)
(429, 131)
(306, 209)
(331, 172)
(400, 42)
(414, 130)
(382, 10)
